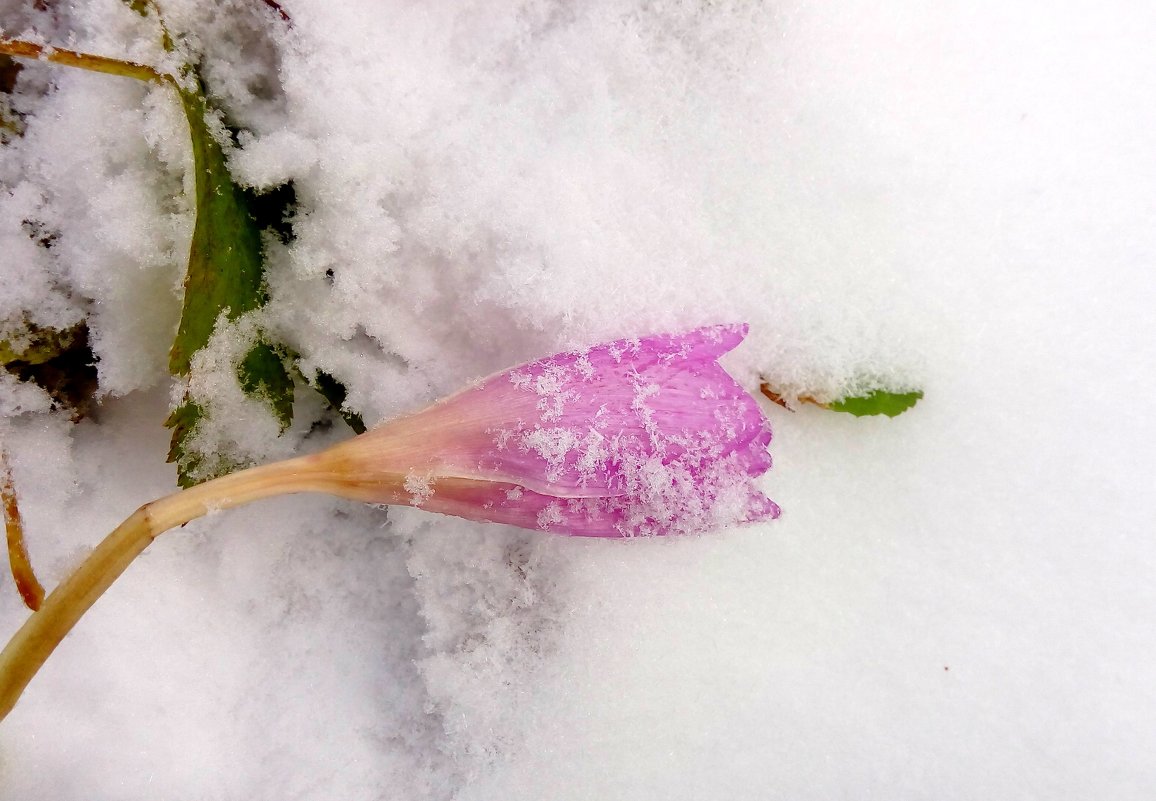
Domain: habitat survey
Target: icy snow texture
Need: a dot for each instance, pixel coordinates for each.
(955, 604)
(99, 172)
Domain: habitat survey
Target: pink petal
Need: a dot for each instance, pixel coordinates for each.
(583, 517)
(566, 425)
(647, 436)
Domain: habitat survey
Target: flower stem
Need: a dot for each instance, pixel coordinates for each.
(46, 628)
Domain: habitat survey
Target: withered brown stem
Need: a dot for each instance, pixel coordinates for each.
(30, 589)
(778, 399)
(87, 61)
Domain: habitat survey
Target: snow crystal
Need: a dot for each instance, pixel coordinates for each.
(551, 515)
(235, 428)
(554, 445)
(419, 487)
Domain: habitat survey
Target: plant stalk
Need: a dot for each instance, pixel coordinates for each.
(44, 630)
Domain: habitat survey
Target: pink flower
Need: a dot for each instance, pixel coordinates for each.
(634, 437)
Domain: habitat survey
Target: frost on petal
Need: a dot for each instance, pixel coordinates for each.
(633, 437)
(419, 487)
(666, 503)
(569, 424)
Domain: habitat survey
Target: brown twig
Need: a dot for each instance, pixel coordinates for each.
(777, 398)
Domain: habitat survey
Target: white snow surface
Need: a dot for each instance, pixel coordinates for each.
(956, 604)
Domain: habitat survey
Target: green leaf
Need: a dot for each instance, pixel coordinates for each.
(226, 270)
(877, 402)
(194, 465)
(225, 276)
(183, 421)
(263, 374)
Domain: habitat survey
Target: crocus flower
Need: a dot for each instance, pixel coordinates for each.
(635, 437)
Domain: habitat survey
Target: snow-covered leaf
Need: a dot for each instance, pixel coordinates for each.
(225, 272)
(225, 276)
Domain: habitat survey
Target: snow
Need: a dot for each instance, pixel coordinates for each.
(955, 603)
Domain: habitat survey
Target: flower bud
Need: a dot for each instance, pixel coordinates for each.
(634, 437)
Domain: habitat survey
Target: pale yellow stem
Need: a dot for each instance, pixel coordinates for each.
(46, 628)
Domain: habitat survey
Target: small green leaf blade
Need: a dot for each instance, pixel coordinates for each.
(262, 374)
(877, 402)
(183, 421)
